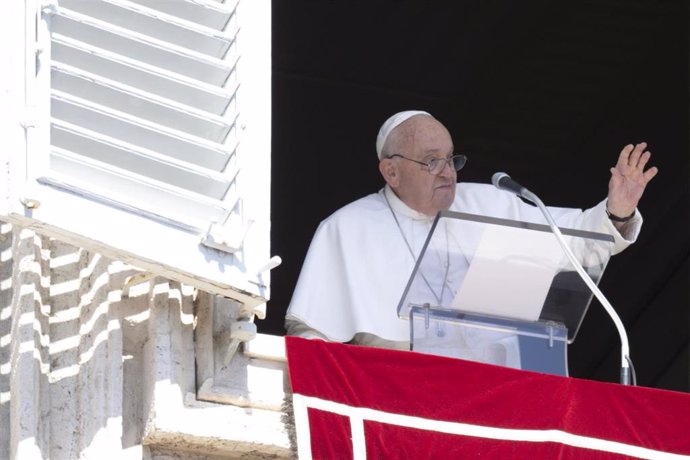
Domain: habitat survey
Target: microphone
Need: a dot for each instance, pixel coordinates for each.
(503, 181)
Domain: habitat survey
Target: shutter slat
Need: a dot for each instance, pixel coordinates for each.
(157, 24)
(133, 192)
(208, 13)
(120, 125)
(138, 160)
(129, 99)
(146, 77)
(143, 48)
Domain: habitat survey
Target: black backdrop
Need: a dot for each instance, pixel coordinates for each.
(546, 91)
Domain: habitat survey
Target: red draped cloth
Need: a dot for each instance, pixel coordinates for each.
(355, 402)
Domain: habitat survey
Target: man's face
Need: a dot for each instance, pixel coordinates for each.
(414, 185)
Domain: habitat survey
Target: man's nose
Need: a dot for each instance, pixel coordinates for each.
(448, 169)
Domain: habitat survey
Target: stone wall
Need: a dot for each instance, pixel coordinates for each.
(99, 360)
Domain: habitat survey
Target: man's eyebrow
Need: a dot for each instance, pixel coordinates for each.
(431, 152)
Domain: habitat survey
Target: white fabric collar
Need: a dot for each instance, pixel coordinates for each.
(401, 208)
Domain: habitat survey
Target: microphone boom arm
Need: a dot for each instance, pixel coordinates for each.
(625, 346)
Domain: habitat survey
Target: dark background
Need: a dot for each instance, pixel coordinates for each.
(546, 91)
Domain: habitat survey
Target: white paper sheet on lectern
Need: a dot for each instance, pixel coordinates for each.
(510, 274)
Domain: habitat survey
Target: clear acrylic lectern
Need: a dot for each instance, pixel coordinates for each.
(500, 291)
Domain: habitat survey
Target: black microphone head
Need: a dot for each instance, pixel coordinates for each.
(496, 178)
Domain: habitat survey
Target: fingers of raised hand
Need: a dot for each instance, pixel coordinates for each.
(637, 152)
(624, 157)
(632, 159)
(650, 173)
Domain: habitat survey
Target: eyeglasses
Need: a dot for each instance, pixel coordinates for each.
(436, 165)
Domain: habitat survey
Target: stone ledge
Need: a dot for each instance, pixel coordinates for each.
(226, 431)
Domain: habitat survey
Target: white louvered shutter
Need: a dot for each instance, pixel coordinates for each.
(148, 136)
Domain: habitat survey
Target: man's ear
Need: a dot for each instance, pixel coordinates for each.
(389, 171)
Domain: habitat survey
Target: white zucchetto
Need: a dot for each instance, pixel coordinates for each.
(390, 124)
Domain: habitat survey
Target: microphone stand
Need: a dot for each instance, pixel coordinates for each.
(625, 347)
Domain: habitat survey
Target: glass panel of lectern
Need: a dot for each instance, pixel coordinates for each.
(500, 291)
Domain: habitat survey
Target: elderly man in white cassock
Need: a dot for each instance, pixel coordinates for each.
(362, 256)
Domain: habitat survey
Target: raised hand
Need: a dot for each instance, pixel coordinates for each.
(629, 179)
